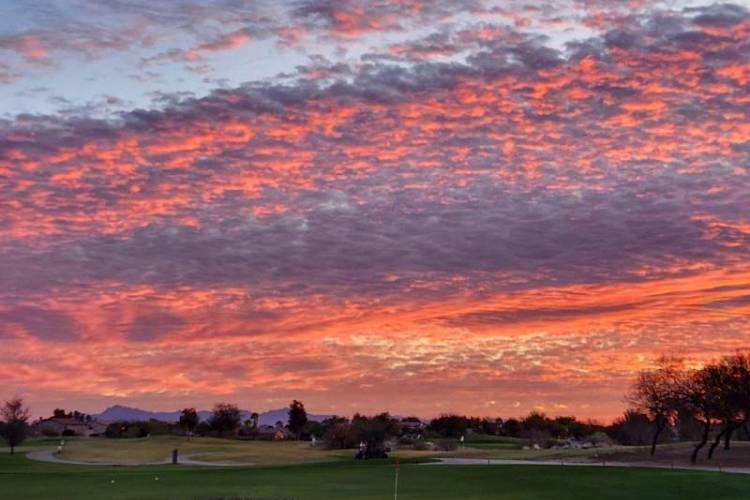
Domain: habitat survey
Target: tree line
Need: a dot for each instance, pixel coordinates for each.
(714, 397)
(225, 420)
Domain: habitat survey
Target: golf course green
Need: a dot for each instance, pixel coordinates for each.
(340, 478)
(291, 470)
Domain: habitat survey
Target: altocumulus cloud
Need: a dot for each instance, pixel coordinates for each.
(535, 197)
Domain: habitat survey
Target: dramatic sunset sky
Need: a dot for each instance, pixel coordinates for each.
(420, 206)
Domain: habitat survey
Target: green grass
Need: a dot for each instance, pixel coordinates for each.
(21, 478)
(490, 439)
(157, 448)
(491, 443)
(544, 454)
(508, 448)
(508, 451)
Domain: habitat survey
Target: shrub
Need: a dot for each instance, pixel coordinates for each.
(406, 441)
(50, 433)
(633, 429)
(338, 436)
(422, 446)
(512, 428)
(599, 439)
(203, 429)
(447, 444)
(247, 433)
(125, 429)
(535, 437)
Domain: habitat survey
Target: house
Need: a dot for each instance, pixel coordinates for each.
(68, 426)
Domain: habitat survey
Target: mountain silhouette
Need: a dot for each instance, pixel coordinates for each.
(120, 412)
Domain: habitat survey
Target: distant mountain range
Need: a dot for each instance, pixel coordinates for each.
(119, 412)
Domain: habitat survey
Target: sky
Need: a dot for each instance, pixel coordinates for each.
(420, 206)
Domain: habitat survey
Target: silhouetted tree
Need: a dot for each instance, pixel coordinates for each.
(203, 429)
(453, 426)
(632, 429)
(654, 394)
(189, 421)
(313, 428)
(701, 392)
(16, 417)
(687, 426)
(297, 418)
(373, 432)
(741, 363)
(534, 421)
(536, 428)
(224, 418)
(739, 369)
(732, 397)
(336, 433)
(512, 428)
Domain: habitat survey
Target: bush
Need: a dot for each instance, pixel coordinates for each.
(50, 433)
(447, 444)
(339, 436)
(125, 429)
(159, 428)
(551, 443)
(599, 439)
(203, 429)
(247, 433)
(68, 432)
(512, 428)
(406, 441)
(422, 446)
(535, 437)
(633, 429)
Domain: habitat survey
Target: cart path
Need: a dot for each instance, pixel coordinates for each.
(562, 463)
(51, 457)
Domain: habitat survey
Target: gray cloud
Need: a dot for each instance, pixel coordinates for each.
(512, 316)
(150, 325)
(335, 245)
(45, 324)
